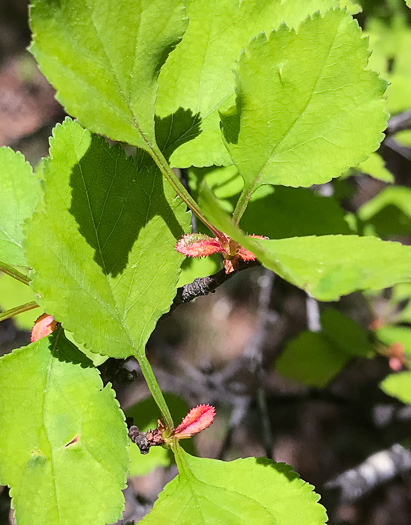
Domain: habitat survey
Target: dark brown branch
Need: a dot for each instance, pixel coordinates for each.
(206, 285)
(393, 145)
(399, 122)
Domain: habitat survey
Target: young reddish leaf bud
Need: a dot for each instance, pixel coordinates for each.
(195, 421)
(246, 255)
(43, 326)
(396, 356)
(198, 245)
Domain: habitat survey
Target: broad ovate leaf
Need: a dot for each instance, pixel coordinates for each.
(19, 191)
(63, 440)
(307, 109)
(102, 243)
(198, 73)
(326, 266)
(251, 490)
(104, 56)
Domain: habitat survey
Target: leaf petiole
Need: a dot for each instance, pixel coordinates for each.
(241, 205)
(167, 172)
(155, 391)
(9, 270)
(18, 310)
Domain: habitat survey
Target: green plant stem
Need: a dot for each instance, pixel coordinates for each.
(241, 205)
(9, 270)
(167, 172)
(18, 310)
(180, 459)
(154, 388)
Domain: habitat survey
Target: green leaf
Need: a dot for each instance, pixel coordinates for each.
(398, 385)
(145, 415)
(327, 266)
(334, 265)
(13, 293)
(374, 166)
(287, 212)
(198, 74)
(302, 99)
(251, 490)
(274, 212)
(225, 181)
(345, 332)
(391, 56)
(400, 303)
(314, 358)
(104, 57)
(19, 192)
(396, 334)
(63, 441)
(389, 212)
(103, 243)
(311, 359)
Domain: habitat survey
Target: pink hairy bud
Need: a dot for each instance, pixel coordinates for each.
(201, 245)
(198, 245)
(43, 326)
(195, 421)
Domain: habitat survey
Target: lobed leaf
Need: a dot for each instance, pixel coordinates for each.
(19, 192)
(63, 440)
(104, 57)
(302, 99)
(198, 74)
(102, 244)
(251, 490)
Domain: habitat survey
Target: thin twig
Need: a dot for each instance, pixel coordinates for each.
(392, 144)
(375, 471)
(206, 285)
(399, 122)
